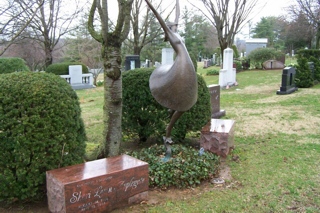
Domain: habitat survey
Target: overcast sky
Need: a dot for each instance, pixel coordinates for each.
(264, 8)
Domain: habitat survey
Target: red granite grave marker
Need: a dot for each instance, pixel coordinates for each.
(98, 186)
(218, 136)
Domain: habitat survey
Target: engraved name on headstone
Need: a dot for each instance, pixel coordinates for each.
(98, 186)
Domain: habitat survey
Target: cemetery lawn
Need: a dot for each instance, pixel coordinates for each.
(275, 166)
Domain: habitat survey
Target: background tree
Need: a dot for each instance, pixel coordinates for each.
(200, 37)
(111, 40)
(227, 19)
(29, 50)
(144, 27)
(15, 16)
(81, 47)
(311, 9)
(52, 23)
(272, 28)
(47, 23)
(299, 33)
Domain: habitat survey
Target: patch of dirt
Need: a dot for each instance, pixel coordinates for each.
(158, 196)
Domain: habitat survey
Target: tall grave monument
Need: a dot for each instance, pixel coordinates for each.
(227, 75)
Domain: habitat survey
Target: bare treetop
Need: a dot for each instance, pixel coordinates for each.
(228, 17)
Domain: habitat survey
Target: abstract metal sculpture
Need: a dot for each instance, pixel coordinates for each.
(174, 86)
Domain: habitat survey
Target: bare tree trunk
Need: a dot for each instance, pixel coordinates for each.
(318, 38)
(112, 100)
(111, 56)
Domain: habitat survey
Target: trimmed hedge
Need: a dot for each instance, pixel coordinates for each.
(316, 68)
(9, 65)
(143, 116)
(308, 53)
(63, 68)
(40, 129)
(303, 78)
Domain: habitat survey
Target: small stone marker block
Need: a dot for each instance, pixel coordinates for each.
(98, 186)
(218, 136)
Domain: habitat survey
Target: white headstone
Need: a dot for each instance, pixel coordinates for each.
(227, 76)
(75, 72)
(167, 56)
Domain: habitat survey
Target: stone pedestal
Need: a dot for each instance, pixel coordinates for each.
(98, 186)
(218, 136)
(214, 90)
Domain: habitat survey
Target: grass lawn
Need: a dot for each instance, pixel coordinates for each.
(275, 166)
(277, 144)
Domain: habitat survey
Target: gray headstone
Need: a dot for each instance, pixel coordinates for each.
(75, 72)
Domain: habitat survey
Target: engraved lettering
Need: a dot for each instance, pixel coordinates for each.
(77, 196)
(100, 190)
(132, 184)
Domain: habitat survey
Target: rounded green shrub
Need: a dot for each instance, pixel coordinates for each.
(143, 116)
(40, 129)
(9, 65)
(260, 55)
(63, 68)
(185, 169)
(140, 111)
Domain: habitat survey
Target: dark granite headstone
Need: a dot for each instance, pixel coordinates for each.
(214, 91)
(311, 67)
(287, 84)
(98, 186)
(132, 62)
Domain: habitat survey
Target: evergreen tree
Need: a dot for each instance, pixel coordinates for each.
(303, 77)
(316, 68)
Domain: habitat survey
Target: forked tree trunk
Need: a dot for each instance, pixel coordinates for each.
(112, 101)
(111, 55)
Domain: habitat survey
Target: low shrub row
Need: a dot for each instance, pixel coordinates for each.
(9, 65)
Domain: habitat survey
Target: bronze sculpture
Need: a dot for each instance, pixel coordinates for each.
(174, 86)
